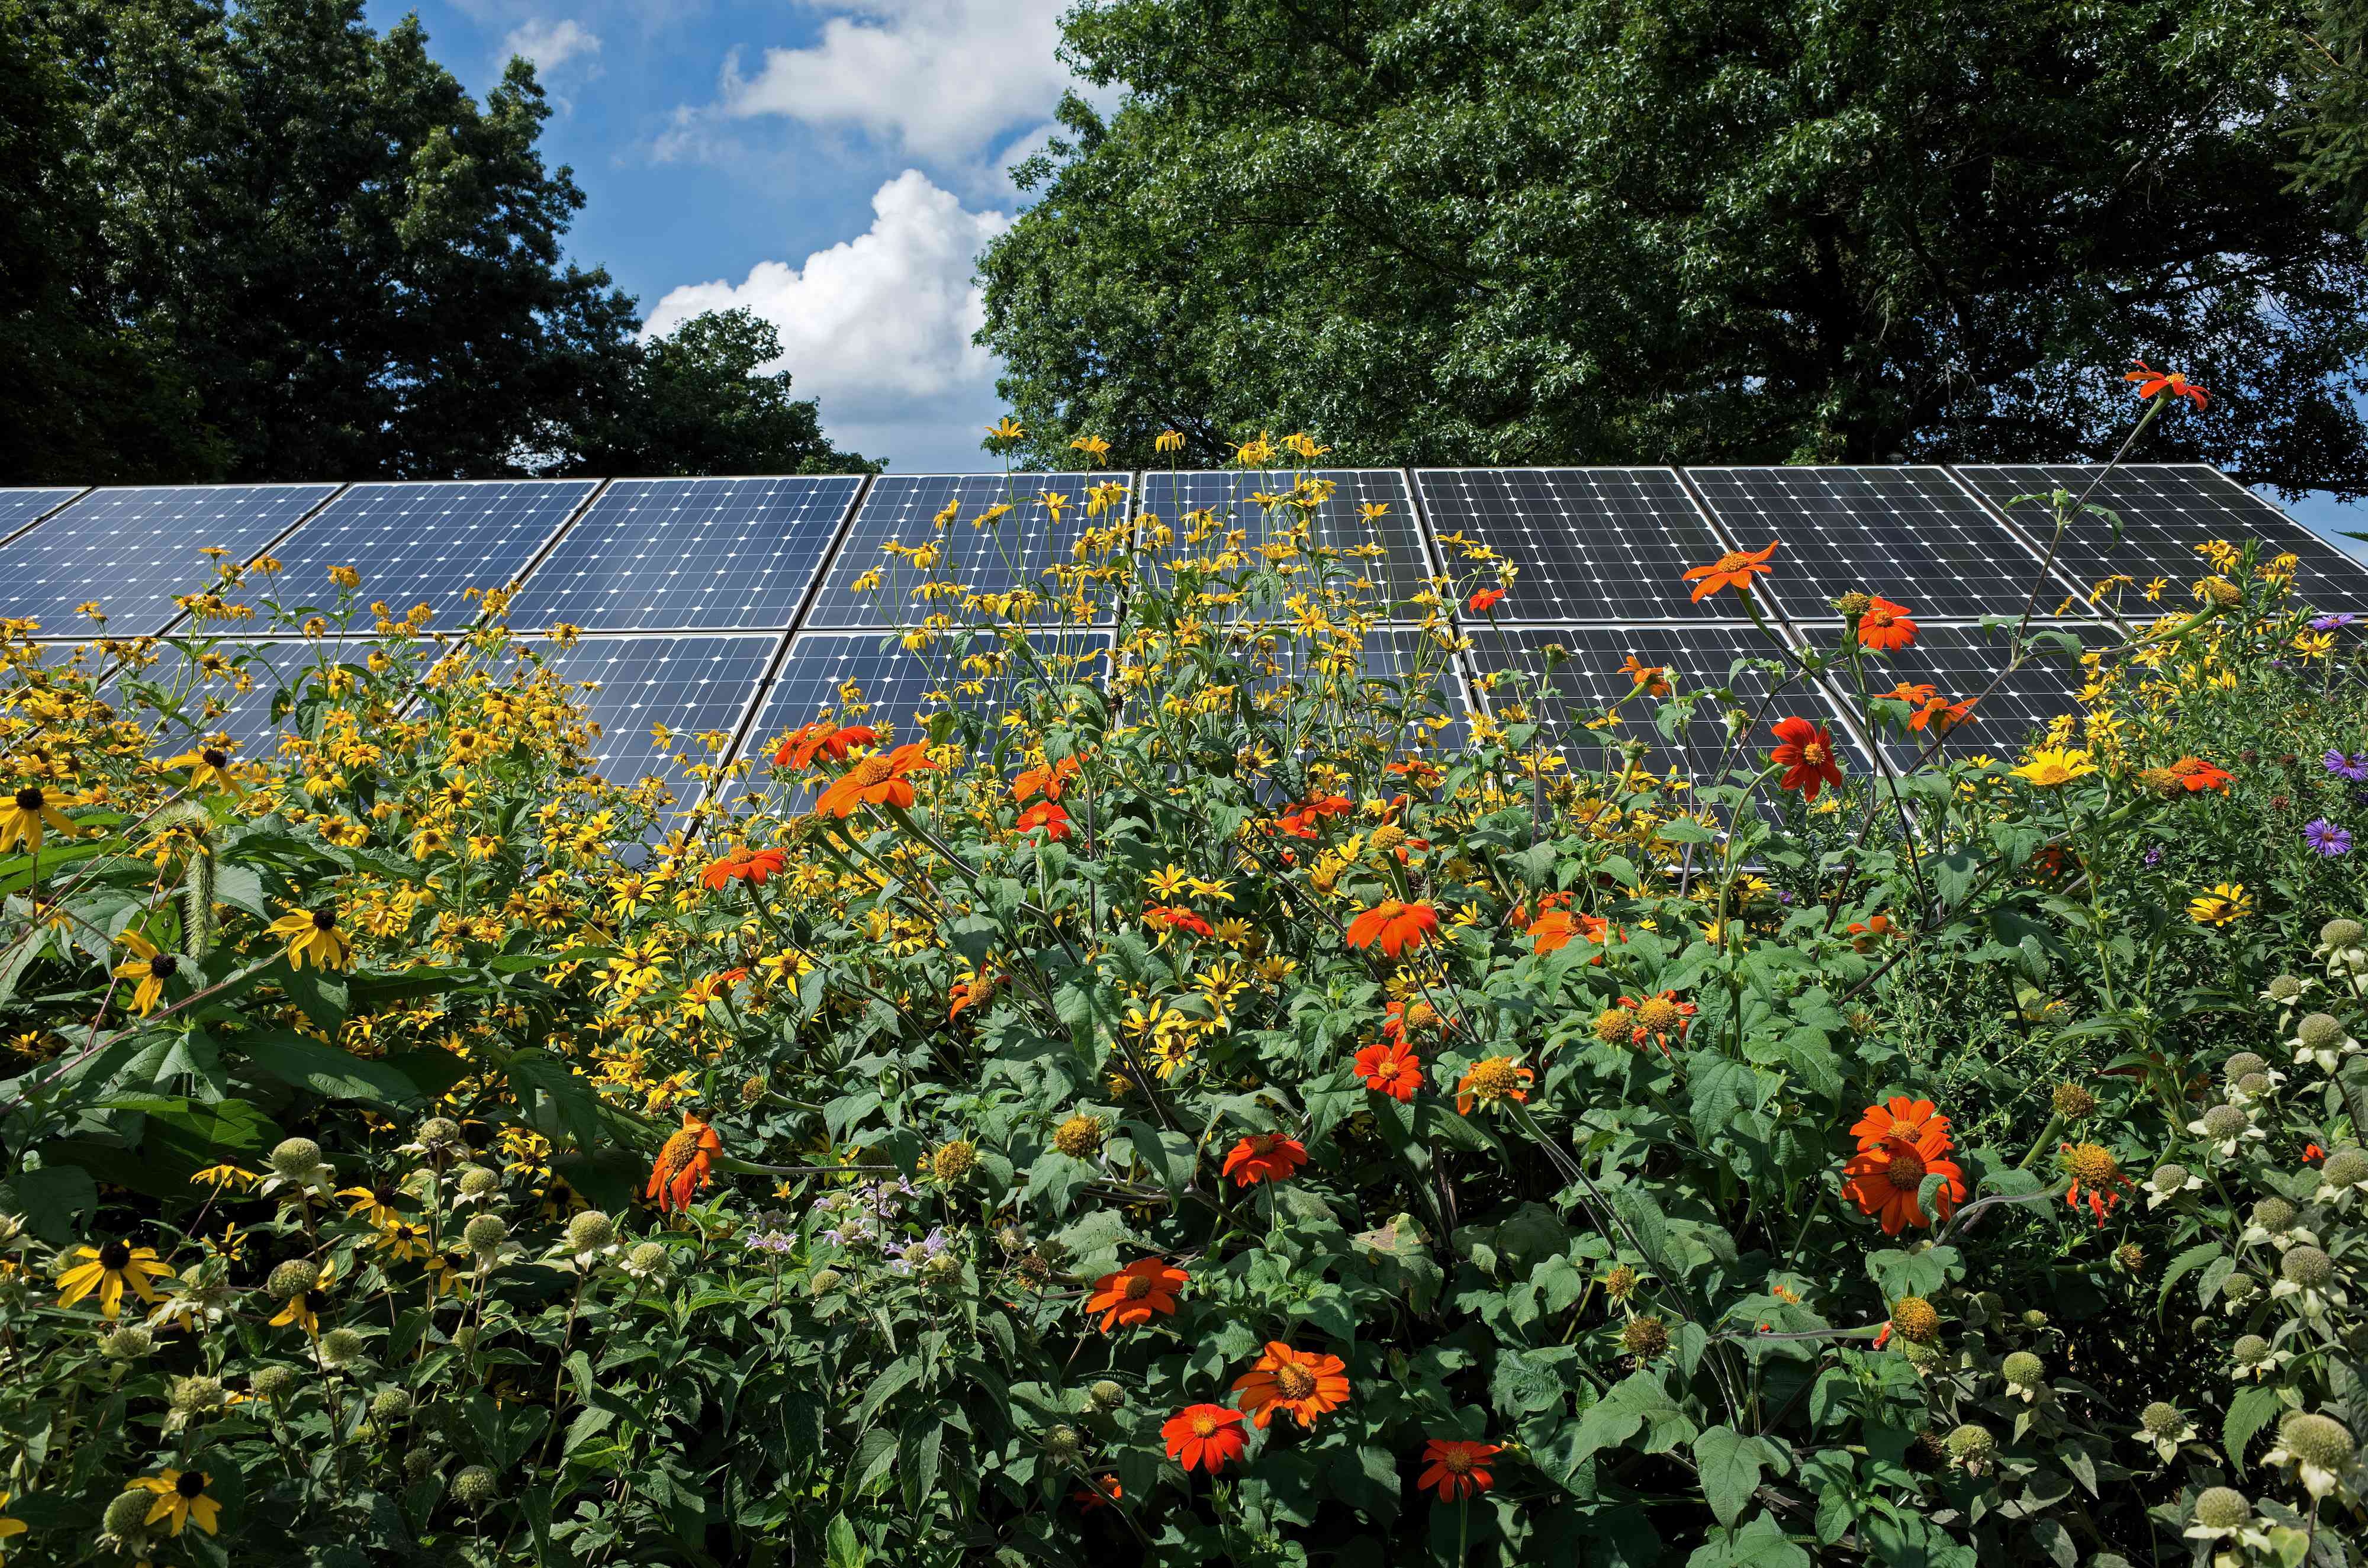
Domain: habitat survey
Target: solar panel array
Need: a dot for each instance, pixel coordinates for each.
(740, 607)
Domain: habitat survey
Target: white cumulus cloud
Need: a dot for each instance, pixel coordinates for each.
(939, 78)
(549, 45)
(879, 326)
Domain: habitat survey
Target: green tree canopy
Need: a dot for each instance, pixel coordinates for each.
(1541, 230)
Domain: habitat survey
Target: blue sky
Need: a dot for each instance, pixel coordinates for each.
(833, 164)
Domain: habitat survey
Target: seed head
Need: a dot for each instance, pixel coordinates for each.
(486, 1233)
(2320, 1032)
(419, 1465)
(127, 1344)
(825, 1281)
(1612, 1025)
(955, 1160)
(1061, 1443)
(476, 1181)
(2253, 1086)
(2225, 1120)
(754, 1090)
(2161, 1419)
(464, 1339)
(1011, 1238)
(2223, 1509)
(2171, 1178)
(1080, 1137)
(2320, 1441)
(2238, 1065)
(1106, 1395)
(2274, 1215)
(1915, 1320)
(1644, 1337)
(1621, 1283)
(275, 1382)
(2129, 1258)
(2284, 987)
(2340, 933)
(127, 1512)
(945, 1266)
(2306, 1267)
(2023, 1369)
(2073, 1102)
(296, 1158)
(294, 1275)
(647, 1257)
(474, 1487)
(2345, 1167)
(1970, 1444)
(1852, 605)
(440, 1134)
(342, 1347)
(195, 1395)
(589, 1232)
(2239, 1287)
(2251, 1351)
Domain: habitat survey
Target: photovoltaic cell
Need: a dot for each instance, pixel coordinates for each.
(425, 542)
(1380, 554)
(688, 555)
(1010, 552)
(1398, 673)
(18, 507)
(2167, 510)
(263, 668)
(1591, 543)
(133, 549)
(1959, 662)
(1592, 679)
(689, 685)
(1912, 535)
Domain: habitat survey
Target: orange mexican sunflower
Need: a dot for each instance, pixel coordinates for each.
(971, 993)
(1498, 1078)
(2092, 1166)
(1653, 678)
(1302, 1384)
(2153, 383)
(1048, 817)
(1265, 1156)
(1657, 1017)
(1884, 1179)
(1395, 925)
(1865, 934)
(2198, 775)
(1942, 714)
(1484, 600)
(1400, 1016)
(1555, 929)
(682, 1166)
(742, 866)
(1900, 1116)
(1885, 625)
(1805, 752)
(1047, 781)
(1734, 570)
(875, 780)
(1393, 1070)
(1176, 918)
(1209, 1436)
(821, 738)
(1456, 1468)
(1135, 1292)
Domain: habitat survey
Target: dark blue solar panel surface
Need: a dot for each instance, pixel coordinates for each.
(688, 555)
(1396, 669)
(1912, 535)
(689, 685)
(1959, 662)
(244, 676)
(415, 542)
(1591, 543)
(133, 549)
(1380, 555)
(18, 507)
(1590, 680)
(2167, 510)
(1012, 552)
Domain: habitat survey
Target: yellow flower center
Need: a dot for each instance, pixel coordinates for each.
(1658, 1013)
(1813, 753)
(2091, 1164)
(1494, 1078)
(871, 770)
(1203, 1426)
(1294, 1381)
(1905, 1170)
(1913, 1318)
(1456, 1461)
(1612, 1025)
(677, 1151)
(1421, 1016)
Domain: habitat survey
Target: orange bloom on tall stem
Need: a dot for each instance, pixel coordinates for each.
(1302, 1384)
(2199, 775)
(1899, 1117)
(2152, 383)
(821, 738)
(1734, 570)
(1884, 627)
(875, 780)
(1805, 752)
(1135, 1292)
(1885, 1180)
(742, 865)
(1484, 600)
(682, 1165)
(1395, 925)
(1393, 1070)
(1209, 1436)
(1265, 1156)
(1653, 678)
(1489, 1082)
(1047, 781)
(1457, 1469)
(1045, 814)
(1555, 929)
(2092, 1166)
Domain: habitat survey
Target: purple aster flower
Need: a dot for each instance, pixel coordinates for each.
(2327, 838)
(2332, 622)
(2355, 769)
(2154, 856)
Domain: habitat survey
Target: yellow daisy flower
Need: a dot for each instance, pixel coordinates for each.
(107, 1268)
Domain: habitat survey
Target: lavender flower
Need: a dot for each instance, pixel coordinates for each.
(2330, 622)
(2355, 769)
(772, 1242)
(2327, 838)
(2154, 856)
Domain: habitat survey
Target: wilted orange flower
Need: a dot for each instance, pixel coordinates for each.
(1484, 600)
(1457, 1469)
(1657, 1017)
(2092, 1166)
(1302, 1384)
(971, 993)
(1392, 1069)
(1653, 678)
(1884, 627)
(1135, 1292)
(1734, 570)
(1047, 816)
(875, 780)
(2152, 381)
(1865, 932)
(2198, 775)
(1176, 918)
(1302, 821)
(1395, 925)
(1209, 1436)
(742, 865)
(1047, 781)
(1805, 752)
(1400, 1016)
(821, 738)
(1265, 1156)
(1498, 1078)
(1102, 1491)
(682, 1166)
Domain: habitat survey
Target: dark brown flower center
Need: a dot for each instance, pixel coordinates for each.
(1138, 1286)
(191, 1484)
(164, 966)
(114, 1255)
(1905, 1170)
(325, 920)
(29, 799)
(214, 757)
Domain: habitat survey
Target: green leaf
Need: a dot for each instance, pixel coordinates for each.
(540, 1078)
(1761, 1543)
(1729, 1463)
(2248, 1413)
(53, 1200)
(324, 1070)
(842, 1548)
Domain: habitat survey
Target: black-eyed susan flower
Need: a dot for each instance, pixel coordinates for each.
(109, 1269)
(31, 811)
(180, 1500)
(148, 969)
(208, 768)
(313, 933)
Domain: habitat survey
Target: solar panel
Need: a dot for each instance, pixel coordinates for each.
(688, 555)
(869, 586)
(243, 677)
(1912, 535)
(1961, 662)
(2167, 510)
(425, 542)
(22, 508)
(1591, 678)
(131, 550)
(1591, 543)
(1398, 675)
(690, 686)
(1366, 516)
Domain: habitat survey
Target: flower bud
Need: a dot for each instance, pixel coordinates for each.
(2251, 1350)
(419, 1465)
(464, 1339)
(275, 1382)
(2238, 1065)
(2072, 1102)
(2319, 1031)
(474, 1487)
(2320, 1441)
(1106, 1395)
(1080, 1137)
(1061, 1443)
(1644, 1337)
(298, 1159)
(589, 1232)
(126, 1513)
(128, 1343)
(824, 1281)
(2273, 1215)
(293, 1278)
(195, 1395)
(390, 1406)
(2345, 1167)
(954, 1161)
